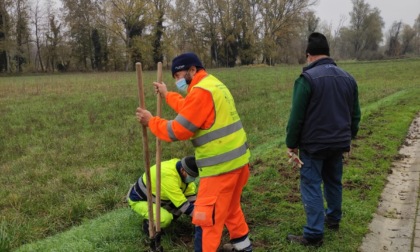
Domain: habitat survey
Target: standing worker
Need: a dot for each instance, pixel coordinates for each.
(324, 118)
(207, 116)
(178, 191)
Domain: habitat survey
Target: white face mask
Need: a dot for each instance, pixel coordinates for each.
(189, 179)
(182, 85)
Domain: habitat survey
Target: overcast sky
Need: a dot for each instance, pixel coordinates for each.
(331, 11)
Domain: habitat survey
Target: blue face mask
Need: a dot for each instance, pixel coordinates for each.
(189, 179)
(182, 85)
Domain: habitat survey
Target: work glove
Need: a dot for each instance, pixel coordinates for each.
(295, 160)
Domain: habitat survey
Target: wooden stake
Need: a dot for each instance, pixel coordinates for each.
(158, 152)
(146, 158)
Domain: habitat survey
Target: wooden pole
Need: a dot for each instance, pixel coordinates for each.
(146, 158)
(158, 152)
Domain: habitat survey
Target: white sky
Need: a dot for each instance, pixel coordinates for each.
(331, 11)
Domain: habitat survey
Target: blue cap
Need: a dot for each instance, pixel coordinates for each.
(185, 61)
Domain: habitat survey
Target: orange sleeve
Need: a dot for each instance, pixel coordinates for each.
(175, 101)
(158, 126)
(195, 112)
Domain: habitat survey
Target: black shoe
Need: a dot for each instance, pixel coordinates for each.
(303, 241)
(145, 226)
(331, 225)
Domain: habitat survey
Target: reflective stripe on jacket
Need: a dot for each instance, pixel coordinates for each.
(222, 147)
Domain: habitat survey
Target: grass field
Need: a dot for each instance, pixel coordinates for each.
(70, 146)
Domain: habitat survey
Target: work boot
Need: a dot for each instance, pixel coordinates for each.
(331, 224)
(228, 247)
(303, 241)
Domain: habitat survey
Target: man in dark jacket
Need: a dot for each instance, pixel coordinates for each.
(324, 118)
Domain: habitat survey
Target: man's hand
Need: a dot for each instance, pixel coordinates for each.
(294, 158)
(160, 88)
(294, 150)
(143, 116)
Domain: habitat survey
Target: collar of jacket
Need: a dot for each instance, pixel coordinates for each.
(197, 78)
(322, 61)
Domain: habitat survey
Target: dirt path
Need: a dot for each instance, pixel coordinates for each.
(393, 227)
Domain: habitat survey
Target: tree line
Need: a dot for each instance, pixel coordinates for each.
(111, 35)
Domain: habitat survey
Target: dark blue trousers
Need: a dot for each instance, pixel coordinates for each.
(324, 168)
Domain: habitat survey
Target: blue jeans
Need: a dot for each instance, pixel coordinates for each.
(198, 239)
(326, 167)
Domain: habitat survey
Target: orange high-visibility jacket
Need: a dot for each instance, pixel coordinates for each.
(197, 107)
(196, 118)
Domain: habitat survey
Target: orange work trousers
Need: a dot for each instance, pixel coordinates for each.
(219, 204)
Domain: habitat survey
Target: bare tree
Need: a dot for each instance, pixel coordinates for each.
(160, 6)
(22, 34)
(53, 41)
(210, 20)
(365, 28)
(36, 21)
(333, 35)
(5, 28)
(79, 16)
(358, 16)
(394, 47)
(228, 31)
(128, 19)
(188, 30)
(407, 39)
(416, 28)
(281, 25)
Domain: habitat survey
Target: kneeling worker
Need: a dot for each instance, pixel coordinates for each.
(178, 191)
